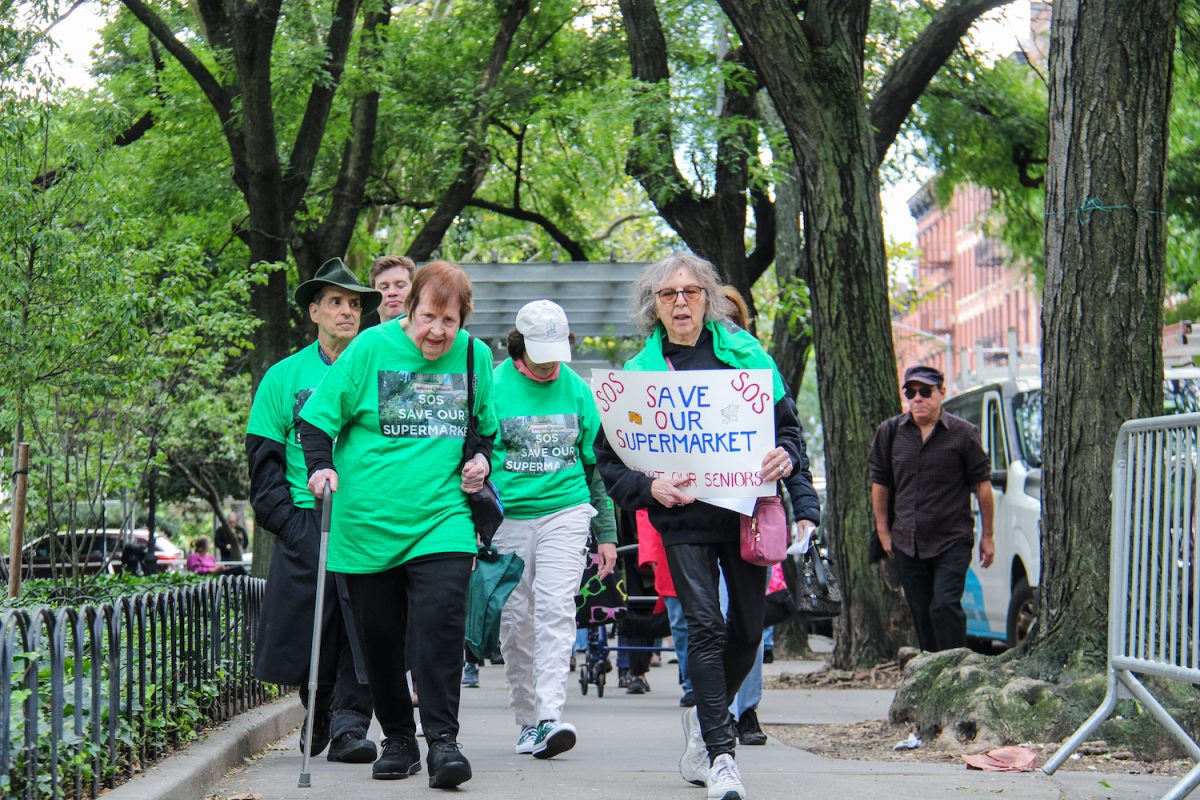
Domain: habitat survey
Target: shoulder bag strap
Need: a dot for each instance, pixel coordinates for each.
(470, 382)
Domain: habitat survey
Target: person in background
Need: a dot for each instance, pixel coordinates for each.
(396, 404)
(652, 552)
(925, 464)
(200, 560)
(545, 470)
(284, 506)
(678, 302)
(230, 539)
(392, 277)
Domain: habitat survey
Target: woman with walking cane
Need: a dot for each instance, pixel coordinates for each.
(396, 404)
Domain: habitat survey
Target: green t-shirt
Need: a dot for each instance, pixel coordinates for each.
(546, 435)
(399, 422)
(276, 409)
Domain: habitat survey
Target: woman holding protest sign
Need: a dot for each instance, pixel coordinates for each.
(544, 467)
(396, 399)
(679, 303)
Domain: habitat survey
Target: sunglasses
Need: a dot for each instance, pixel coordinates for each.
(924, 391)
(690, 293)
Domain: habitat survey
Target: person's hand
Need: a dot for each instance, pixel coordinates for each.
(885, 539)
(316, 482)
(474, 473)
(666, 492)
(608, 559)
(804, 529)
(776, 465)
(987, 550)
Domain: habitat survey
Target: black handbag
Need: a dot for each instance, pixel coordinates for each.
(818, 595)
(599, 601)
(487, 510)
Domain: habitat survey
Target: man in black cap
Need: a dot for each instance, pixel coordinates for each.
(335, 301)
(924, 465)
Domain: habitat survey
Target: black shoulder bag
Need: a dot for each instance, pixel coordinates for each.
(486, 509)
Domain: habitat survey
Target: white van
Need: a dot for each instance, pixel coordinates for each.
(1001, 601)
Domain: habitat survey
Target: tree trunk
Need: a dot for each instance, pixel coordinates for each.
(856, 372)
(1110, 90)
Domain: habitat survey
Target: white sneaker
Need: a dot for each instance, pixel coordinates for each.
(693, 766)
(527, 739)
(553, 737)
(724, 781)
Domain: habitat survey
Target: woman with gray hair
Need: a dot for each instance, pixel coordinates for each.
(678, 302)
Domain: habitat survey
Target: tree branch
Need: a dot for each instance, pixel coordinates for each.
(217, 97)
(320, 101)
(474, 160)
(913, 71)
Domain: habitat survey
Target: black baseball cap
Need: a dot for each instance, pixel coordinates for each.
(924, 374)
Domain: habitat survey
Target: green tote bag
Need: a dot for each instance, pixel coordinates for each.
(495, 577)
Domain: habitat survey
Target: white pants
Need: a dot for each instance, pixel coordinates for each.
(537, 626)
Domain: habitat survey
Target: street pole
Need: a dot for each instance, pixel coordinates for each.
(18, 519)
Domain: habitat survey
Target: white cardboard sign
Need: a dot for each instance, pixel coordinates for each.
(713, 426)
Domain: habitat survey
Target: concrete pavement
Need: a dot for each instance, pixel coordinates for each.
(629, 747)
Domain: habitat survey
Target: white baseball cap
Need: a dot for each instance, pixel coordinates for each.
(544, 326)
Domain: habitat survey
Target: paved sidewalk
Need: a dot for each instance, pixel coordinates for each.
(629, 747)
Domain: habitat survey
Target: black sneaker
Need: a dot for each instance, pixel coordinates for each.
(768, 656)
(400, 758)
(688, 700)
(448, 767)
(622, 679)
(320, 740)
(350, 748)
(749, 731)
(637, 685)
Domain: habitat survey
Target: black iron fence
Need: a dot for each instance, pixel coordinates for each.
(92, 694)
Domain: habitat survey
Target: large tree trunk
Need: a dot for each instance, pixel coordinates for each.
(1110, 89)
(856, 372)
(813, 69)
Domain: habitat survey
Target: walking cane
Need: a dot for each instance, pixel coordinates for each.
(315, 657)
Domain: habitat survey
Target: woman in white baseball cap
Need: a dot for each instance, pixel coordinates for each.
(544, 467)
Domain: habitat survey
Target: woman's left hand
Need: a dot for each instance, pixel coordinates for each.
(776, 465)
(474, 473)
(608, 559)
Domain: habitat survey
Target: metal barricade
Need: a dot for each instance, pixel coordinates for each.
(107, 683)
(1154, 585)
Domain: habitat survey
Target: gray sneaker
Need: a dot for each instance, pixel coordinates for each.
(693, 766)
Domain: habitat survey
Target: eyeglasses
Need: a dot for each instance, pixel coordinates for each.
(670, 296)
(924, 391)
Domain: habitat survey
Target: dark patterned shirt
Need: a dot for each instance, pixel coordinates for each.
(930, 482)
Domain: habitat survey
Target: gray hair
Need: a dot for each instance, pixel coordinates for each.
(644, 301)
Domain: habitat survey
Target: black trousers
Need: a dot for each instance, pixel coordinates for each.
(349, 700)
(933, 588)
(721, 650)
(423, 601)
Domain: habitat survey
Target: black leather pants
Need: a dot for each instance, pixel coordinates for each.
(721, 648)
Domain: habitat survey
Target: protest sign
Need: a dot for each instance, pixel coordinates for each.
(712, 426)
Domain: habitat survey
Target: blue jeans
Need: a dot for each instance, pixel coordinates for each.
(679, 633)
(769, 638)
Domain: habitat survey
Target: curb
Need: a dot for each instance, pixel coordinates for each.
(188, 774)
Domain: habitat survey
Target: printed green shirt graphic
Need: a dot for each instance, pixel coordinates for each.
(546, 435)
(399, 422)
(281, 394)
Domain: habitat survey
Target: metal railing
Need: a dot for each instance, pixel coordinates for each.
(1154, 578)
(91, 694)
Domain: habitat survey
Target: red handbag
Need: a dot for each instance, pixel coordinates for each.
(764, 535)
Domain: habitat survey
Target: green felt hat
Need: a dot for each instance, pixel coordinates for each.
(335, 273)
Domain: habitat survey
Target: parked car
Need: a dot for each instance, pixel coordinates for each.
(1001, 602)
(72, 553)
(93, 552)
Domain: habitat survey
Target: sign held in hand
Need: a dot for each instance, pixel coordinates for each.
(712, 426)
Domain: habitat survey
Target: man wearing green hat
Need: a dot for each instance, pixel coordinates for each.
(282, 504)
